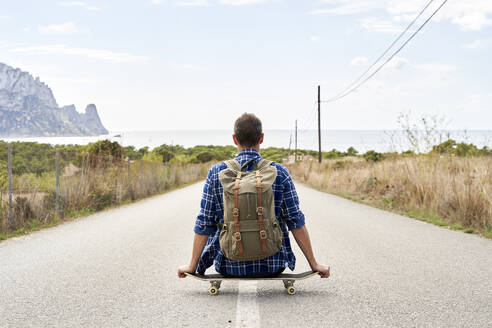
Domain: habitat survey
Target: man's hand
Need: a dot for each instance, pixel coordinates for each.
(323, 270)
(185, 268)
(302, 238)
(198, 245)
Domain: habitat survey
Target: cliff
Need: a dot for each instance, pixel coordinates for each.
(29, 109)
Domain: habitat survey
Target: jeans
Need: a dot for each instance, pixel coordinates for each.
(256, 275)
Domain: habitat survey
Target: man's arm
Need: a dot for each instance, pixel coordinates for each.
(302, 238)
(295, 222)
(198, 245)
(205, 225)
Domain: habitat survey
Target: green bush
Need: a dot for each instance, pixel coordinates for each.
(373, 156)
(101, 198)
(351, 151)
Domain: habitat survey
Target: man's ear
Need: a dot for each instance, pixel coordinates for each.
(261, 138)
(235, 140)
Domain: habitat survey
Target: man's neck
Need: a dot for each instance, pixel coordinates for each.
(240, 148)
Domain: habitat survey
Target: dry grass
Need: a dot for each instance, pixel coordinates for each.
(449, 190)
(88, 189)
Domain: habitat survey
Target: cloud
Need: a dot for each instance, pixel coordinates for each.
(4, 17)
(242, 2)
(65, 28)
(437, 68)
(194, 3)
(472, 21)
(380, 25)
(185, 67)
(203, 3)
(72, 3)
(470, 15)
(358, 61)
(343, 7)
(79, 4)
(474, 45)
(106, 55)
(397, 63)
(314, 38)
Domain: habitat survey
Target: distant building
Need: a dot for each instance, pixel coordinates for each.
(291, 159)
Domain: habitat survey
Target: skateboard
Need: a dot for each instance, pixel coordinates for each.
(287, 278)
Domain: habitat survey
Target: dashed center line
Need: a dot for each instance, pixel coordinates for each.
(247, 310)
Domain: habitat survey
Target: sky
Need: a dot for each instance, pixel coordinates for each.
(153, 65)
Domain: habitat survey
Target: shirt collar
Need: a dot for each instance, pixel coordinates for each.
(247, 154)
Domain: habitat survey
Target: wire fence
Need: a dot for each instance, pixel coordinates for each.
(71, 184)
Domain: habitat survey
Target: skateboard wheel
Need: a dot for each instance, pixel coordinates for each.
(215, 284)
(291, 290)
(213, 291)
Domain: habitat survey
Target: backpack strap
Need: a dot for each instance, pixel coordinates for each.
(236, 166)
(235, 213)
(233, 164)
(247, 163)
(263, 164)
(259, 210)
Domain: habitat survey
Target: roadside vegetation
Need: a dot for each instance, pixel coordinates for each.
(447, 183)
(92, 178)
(438, 180)
(102, 175)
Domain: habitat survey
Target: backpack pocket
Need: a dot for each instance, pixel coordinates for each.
(274, 240)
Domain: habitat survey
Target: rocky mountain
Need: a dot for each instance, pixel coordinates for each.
(29, 109)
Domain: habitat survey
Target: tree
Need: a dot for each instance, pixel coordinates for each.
(352, 152)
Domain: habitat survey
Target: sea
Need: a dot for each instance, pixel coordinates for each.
(361, 140)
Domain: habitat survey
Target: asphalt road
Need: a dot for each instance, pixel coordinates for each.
(118, 268)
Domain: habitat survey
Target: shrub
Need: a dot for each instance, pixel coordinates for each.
(22, 210)
(373, 156)
(101, 150)
(351, 151)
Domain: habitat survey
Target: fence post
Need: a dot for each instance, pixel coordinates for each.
(128, 171)
(57, 163)
(11, 204)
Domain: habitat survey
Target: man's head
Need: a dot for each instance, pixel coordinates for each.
(248, 131)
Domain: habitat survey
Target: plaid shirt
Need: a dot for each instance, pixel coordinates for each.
(212, 210)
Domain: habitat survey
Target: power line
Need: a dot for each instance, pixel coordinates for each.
(386, 51)
(357, 86)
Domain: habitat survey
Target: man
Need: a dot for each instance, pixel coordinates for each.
(248, 136)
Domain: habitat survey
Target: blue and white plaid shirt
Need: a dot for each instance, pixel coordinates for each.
(212, 212)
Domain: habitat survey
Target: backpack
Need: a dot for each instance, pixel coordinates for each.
(250, 230)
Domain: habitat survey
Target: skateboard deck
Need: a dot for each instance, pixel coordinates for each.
(287, 278)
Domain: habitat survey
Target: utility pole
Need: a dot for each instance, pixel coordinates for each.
(295, 152)
(319, 123)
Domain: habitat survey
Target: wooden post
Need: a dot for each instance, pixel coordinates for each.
(295, 152)
(290, 143)
(319, 123)
(11, 202)
(57, 164)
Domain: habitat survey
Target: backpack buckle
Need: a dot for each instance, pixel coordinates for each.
(259, 210)
(237, 235)
(263, 234)
(235, 212)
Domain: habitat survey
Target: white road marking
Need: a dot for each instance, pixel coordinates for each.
(247, 311)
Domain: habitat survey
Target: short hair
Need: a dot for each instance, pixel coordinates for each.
(248, 130)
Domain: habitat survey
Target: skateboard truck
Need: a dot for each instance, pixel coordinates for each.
(214, 287)
(289, 287)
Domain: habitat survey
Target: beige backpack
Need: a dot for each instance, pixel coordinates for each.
(250, 230)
